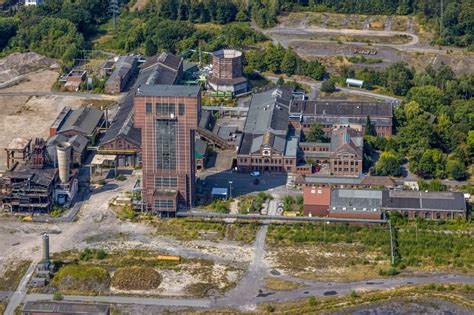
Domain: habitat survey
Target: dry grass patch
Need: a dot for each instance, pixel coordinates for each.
(136, 278)
(330, 262)
(11, 277)
(277, 284)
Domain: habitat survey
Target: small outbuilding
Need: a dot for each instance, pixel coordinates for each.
(219, 193)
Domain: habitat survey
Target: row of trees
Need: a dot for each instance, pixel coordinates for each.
(277, 59)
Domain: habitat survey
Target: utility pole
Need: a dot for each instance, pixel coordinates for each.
(114, 9)
(391, 243)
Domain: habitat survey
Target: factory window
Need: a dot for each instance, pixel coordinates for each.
(148, 108)
(166, 204)
(166, 182)
(166, 144)
(165, 109)
(181, 109)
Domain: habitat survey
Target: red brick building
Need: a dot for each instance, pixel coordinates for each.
(316, 201)
(167, 116)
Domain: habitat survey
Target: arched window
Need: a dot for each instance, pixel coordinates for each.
(438, 215)
(405, 214)
(417, 214)
(427, 215)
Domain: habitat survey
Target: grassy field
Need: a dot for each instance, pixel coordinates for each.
(460, 295)
(191, 229)
(339, 252)
(11, 277)
(277, 284)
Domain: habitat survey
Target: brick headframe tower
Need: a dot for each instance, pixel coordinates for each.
(168, 116)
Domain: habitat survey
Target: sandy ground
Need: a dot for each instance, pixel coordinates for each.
(30, 117)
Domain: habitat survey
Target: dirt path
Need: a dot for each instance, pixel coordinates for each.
(243, 295)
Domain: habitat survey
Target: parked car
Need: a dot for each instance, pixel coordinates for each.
(255, 174)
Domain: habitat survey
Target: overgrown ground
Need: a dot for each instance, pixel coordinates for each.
(192, 229)
(92, 272)
(10, 279)
(459, 295)
(329, 252)
(277, 284)
(349, 253)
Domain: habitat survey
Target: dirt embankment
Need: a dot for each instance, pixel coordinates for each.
(18, 64)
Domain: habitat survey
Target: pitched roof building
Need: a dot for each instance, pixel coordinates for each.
(266, 143)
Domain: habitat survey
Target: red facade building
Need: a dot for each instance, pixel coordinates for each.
(167, 116)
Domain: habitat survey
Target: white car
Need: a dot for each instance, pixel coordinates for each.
(255, 174)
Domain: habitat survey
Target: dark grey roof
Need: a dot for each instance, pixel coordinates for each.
(331, 120)
(42, 177)
(342, 108)
(123, 65)
(169, 90)
(166, 69)
(268, 111)
(200, 146)
(65, 308)
(356, 200)
(122, 124)
(400, 200)
(84, 120)
(78, 142)
(205, 118)
(337, 180)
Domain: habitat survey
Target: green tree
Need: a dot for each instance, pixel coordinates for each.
(456, 170)
(280, 81)
(315, 70)
(470, 142)
(399, 78)
(370, 128)
(316, 134)
(289, 62)
(388, 164)
(430, 98)
(328, 86)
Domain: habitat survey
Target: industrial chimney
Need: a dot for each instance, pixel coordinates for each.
(63, 153)
(45, 248)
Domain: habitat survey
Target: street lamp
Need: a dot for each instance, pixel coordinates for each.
(230, 189)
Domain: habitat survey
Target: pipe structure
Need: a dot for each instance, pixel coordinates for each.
(63, 153)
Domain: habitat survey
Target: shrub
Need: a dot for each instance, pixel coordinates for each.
(312, 301)
(82, 278)
(100, 254)
(57, 296)
(269, 308)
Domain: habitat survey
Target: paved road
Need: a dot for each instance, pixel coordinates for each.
(245, 296)
(242, 296)
(20, 292)
(71, 94)
(126, 300)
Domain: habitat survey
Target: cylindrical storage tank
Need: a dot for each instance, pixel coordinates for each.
(45, 247)
(227, 64)
(63, 152)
